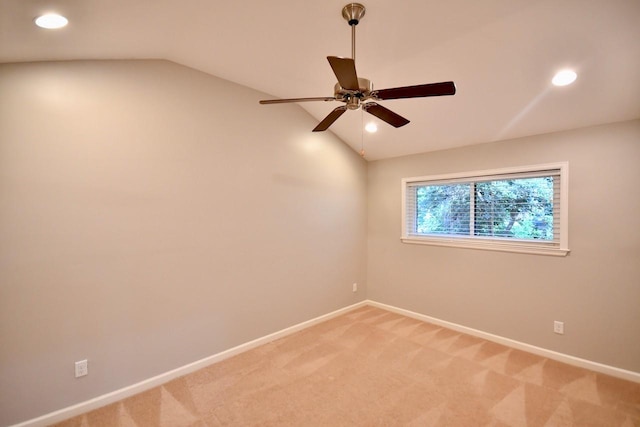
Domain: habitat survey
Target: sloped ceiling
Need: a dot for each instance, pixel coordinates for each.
(500, 53)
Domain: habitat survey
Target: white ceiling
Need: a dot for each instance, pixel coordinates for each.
(500, 53)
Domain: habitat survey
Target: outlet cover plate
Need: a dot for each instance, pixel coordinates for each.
(82, 368)
(558, 327)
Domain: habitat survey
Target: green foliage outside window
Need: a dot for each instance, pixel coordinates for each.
(513, 208)
(443, 209)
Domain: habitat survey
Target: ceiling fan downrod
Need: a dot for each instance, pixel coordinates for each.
(353, 13)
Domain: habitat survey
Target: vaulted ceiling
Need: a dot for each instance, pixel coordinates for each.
(501, 54)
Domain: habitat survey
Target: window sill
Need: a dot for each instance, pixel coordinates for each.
(501, 246)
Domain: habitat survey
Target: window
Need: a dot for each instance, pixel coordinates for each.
(520, 209)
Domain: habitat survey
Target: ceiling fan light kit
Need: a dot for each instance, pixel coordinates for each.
(358, 92)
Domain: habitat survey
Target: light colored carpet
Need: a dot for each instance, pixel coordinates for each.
(371, 367)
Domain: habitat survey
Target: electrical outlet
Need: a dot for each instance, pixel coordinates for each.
(82, 368)
(355, 287)
(558, 327)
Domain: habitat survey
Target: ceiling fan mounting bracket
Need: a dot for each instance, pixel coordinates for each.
(353, 13)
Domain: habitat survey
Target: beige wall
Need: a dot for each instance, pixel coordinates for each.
(595, 290)
(152, 215)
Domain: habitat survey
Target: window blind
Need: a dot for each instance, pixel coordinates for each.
(517, 205)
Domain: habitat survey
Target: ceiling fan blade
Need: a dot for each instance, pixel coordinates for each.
(385, 114)
(419, 91)
(284, 101)
(345, 71)
(332, 117)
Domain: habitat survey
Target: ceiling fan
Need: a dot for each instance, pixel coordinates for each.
(357, 92)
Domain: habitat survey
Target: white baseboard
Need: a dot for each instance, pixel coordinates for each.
(560, 357)
(150, 383)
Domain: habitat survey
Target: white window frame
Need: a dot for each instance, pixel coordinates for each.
(558, 247)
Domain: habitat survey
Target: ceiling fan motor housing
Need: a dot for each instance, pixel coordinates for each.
(352, 97)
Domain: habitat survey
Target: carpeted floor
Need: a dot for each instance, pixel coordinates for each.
(371, 367)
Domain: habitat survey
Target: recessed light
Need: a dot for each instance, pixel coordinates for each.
(564, 77)
(51, 21)
(371, 127)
